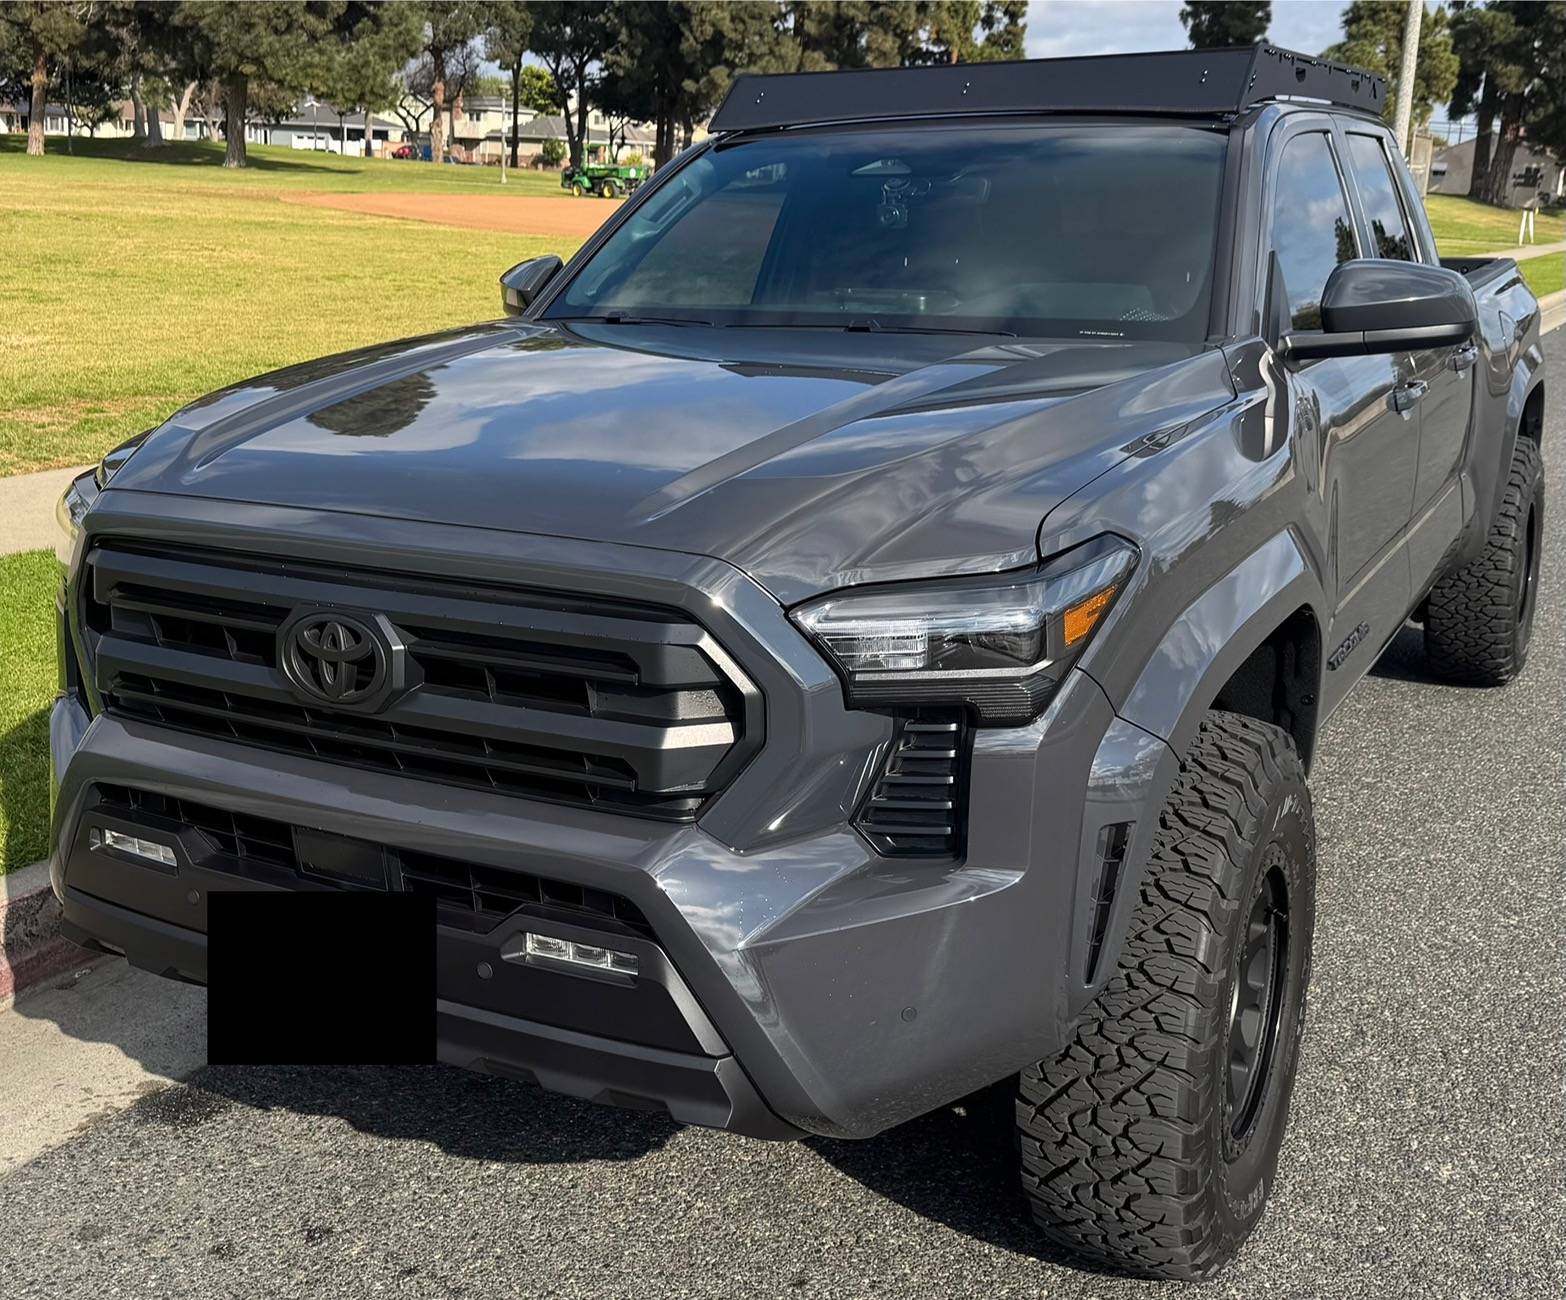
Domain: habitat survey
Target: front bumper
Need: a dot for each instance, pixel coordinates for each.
(828, 990)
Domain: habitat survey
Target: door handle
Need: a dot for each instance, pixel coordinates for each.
(1406, 396)
(1464, 357)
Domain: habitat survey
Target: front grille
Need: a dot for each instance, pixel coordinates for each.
(469, 895)
(915, 806)
(530, 693)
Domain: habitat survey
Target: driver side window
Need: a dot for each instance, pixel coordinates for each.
(1312, 231)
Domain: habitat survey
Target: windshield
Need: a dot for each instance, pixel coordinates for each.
(1065, 231)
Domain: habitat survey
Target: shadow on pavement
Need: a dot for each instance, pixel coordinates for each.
(470, 1116)
(956, 1166)
(1404, 661)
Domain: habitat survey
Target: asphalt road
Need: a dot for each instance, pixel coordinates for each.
(1425, 1156)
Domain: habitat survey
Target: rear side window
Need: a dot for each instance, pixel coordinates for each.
(1311, 228)
(1389, 232)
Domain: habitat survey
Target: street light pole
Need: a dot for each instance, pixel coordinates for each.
(1405, 77)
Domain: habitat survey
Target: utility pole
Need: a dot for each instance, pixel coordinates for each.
(1405, 77)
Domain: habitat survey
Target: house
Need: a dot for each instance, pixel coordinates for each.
(316, 125)
(14, 118)
(481, 131)
(1536, 177)
(310, 125)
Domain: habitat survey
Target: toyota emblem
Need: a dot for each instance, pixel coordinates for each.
(335, 658)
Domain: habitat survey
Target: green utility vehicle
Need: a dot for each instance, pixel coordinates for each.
(607, 180)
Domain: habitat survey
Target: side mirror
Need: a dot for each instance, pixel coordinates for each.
(1372, 306)
(521, 285)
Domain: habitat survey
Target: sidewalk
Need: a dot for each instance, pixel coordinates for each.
(1524, 251)
(27, 504)
(88, 1044)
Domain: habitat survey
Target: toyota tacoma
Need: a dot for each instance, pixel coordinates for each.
(858, 632)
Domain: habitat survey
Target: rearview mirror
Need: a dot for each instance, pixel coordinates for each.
(1373, 306)
(521, 285)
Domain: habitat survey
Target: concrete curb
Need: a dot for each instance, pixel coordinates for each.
(1552, 308)
(32, 949)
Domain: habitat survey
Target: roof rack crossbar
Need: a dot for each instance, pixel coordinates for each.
(1196, 82)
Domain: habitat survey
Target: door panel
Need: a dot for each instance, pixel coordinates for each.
(1444, 414)
(1443, 375)
(1370, 455)
(1369, 448)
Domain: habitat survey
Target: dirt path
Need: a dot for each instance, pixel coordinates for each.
(530, 215)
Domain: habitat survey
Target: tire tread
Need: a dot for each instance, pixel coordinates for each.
(1470, 619)
(1114, 1130)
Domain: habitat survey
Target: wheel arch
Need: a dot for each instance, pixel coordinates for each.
(1250, 643)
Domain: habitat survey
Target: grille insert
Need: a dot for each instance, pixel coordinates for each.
(915, 807)
(470, 895)
(529, 693)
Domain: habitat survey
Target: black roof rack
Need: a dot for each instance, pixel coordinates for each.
(1199, 82)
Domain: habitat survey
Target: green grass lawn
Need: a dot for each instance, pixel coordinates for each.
(27, 586)
(128, 288)
(1463, 227)
(270, 168)
(1545, 275)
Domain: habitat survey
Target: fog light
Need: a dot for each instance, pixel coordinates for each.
(587, 955)
(137, 847)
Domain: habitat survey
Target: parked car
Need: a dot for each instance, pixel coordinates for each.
(405, 151)
(856, 635)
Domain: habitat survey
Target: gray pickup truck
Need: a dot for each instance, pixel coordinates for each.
(855, 635)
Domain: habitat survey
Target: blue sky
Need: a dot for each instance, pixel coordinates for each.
(1059, 27)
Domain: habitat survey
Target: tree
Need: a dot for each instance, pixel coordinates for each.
(96, 94)
(824, 34)
(674, 62)
(1530, 71)
(1217, 24)
(140, 42)
(413, 103)
(571, 38)
(1512, 73)
(283, 42)
(1479, 35)
(1373, 39)
(362, 72)
(538, 89)
(450, 29)
(510, 27)
(45, 34)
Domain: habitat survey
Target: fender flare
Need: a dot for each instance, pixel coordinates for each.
(1216, 633)
(1487, 477)
(1138, 760)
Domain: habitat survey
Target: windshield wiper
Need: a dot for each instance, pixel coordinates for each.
(869, 325)
(629, 318)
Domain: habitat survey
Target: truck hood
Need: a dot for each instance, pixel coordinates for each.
(810, 459)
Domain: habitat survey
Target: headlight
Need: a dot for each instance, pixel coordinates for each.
(75, 503)
(110, 465)
(999, 644)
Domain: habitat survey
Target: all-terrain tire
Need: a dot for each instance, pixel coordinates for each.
(1479, 619)
(1134, 1152)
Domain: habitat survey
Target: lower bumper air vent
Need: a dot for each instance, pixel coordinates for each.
(469, 895)
(915, 808)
